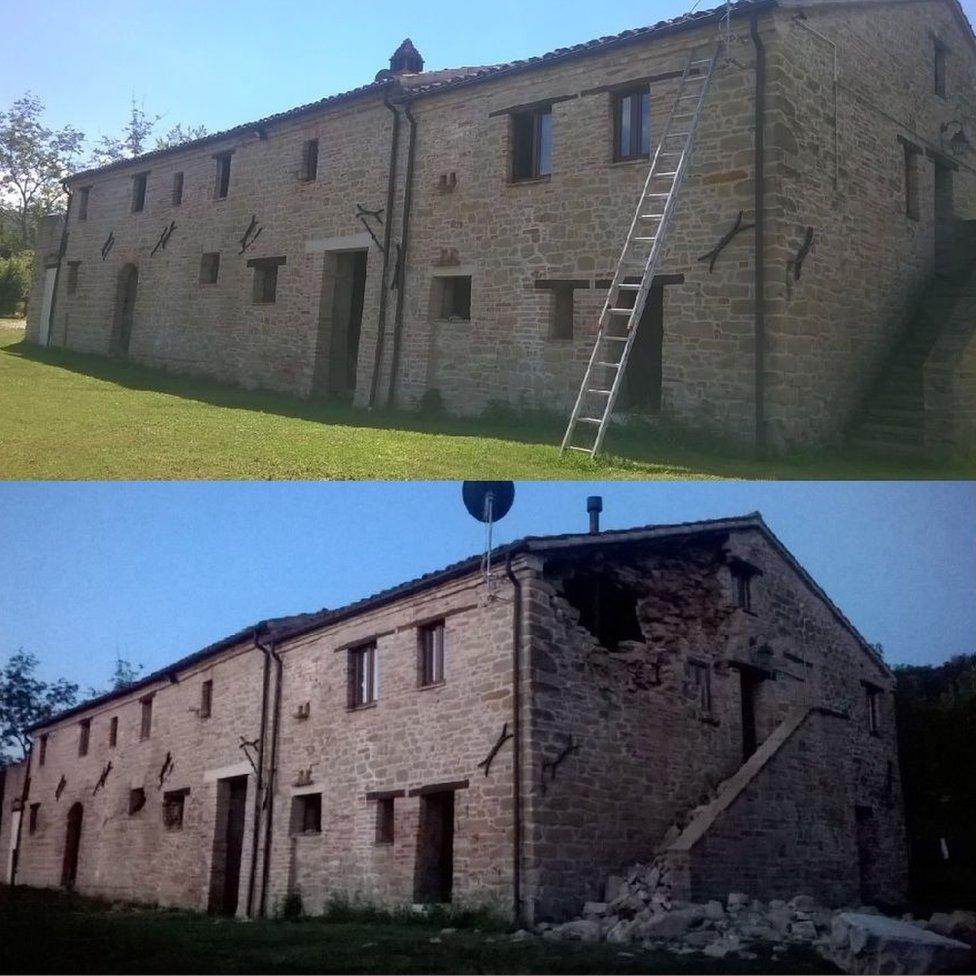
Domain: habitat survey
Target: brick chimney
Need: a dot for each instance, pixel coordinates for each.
(406, 59)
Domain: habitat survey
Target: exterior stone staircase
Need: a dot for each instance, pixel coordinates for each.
(893, 421)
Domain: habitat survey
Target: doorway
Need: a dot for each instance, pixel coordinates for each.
(944, 217)
(867, 846)
(340, 324)
(749, 685)
(225, 871)
(641, 389)
(125, 307)
(434, 871)
(47, 304)
(72, 843)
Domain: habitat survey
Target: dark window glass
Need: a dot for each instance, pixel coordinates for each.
(633, 124)
(173, 806)
(73, 276)
(532, 144)
(137, 800)
(139, 184)
(385, 820)
(874, 709)
(84, 734)
(265, 288)
(456, 297)
(32, 824)
(306, 814)
(222, 184)
(83, 202)
(206, 699)
(310, 160)
(940, 69)
(43, 751)
(431, 649)
(701, 678)
(113, 732)
(209, 268)
(145, 728)
(177, 189)
(362, 675)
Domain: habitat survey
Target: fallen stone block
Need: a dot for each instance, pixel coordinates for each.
(614, 888)
(671, 925)
(861, 943)
(592, 908)
(581, 930)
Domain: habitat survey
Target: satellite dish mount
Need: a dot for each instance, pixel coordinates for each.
(488, 502)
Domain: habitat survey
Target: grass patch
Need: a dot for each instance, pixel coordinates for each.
(51, 931)
(66, 415)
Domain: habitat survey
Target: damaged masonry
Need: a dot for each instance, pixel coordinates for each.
(682, 695)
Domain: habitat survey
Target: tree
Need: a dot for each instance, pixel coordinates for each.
(136, 131)
(126, 673)
(179, 134)
(26, 700)
(33, 161)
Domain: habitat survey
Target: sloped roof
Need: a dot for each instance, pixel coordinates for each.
(279, 629)
(430, 82)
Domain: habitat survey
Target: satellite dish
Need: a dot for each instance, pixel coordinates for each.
(488, 501)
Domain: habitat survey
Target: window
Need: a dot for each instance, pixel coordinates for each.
(137, 800)
(265, 288)
(209, 268)
(42, 755)
(145, 727)
(139, 183)
(873, 693)
(113, 732)
(632, 124)
(83, 195)
(742, 588)
(310, 160)
(912, 154)
(177, 189)
(385, 820)
(532, 144)
(430, 640)
(452, 298)
(32, 822)
(173, 804)
(561, 319)
(206, 699)
(306, 813)
(73, 276)
(701, 685)
(939, 66)
(222, 178)
(362, 675)
(84, 734)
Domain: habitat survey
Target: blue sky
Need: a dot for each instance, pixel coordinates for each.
(158, 571)
(221, 63)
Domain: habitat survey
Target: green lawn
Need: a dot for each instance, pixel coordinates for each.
(64, 415)
(48, 931)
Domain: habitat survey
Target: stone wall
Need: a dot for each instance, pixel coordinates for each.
(869, 261)
(644, 753)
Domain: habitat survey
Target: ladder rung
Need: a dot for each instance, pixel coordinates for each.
(601, 392)
(588, 420)
(648, 240)
(660, 176)
(657, 194)
(583, 450)
(629, 287)
(706, 61)
(611, 365)
(651, 216)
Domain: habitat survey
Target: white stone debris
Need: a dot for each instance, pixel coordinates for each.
(638, 909)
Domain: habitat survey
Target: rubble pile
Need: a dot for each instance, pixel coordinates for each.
(638, 908)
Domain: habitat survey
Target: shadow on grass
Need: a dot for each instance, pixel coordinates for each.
(636, 447)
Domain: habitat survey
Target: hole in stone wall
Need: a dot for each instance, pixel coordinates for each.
(607, 609)
(306, 813)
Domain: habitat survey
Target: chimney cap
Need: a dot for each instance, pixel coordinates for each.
(594, 503)
(406, 59)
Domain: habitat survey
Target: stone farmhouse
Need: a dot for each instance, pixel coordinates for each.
(503, 742)
(447, 237)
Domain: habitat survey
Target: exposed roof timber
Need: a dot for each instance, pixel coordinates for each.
(280, 629)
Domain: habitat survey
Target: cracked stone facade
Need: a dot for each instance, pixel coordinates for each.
(827, 334)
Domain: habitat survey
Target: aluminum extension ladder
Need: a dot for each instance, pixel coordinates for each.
(642, 250)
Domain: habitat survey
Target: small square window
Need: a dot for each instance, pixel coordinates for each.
(113, 732)
(310, 160)
(939, 68)
(632, 124)
(83, 195)
(177, 189)
(145, 727)
(562, 314)
(306, 813)
(222, 176)
(385, 820)
(137, 800)
(209, 268)
(264, 290)
(531, 133)
(206, 699)
(84, 735)
(42, 755)
(174, 802)
(32, 822)
(430, 647)
(452, 297)
(139, 183)
(362, 675)
(701, 683)
(73, 276)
